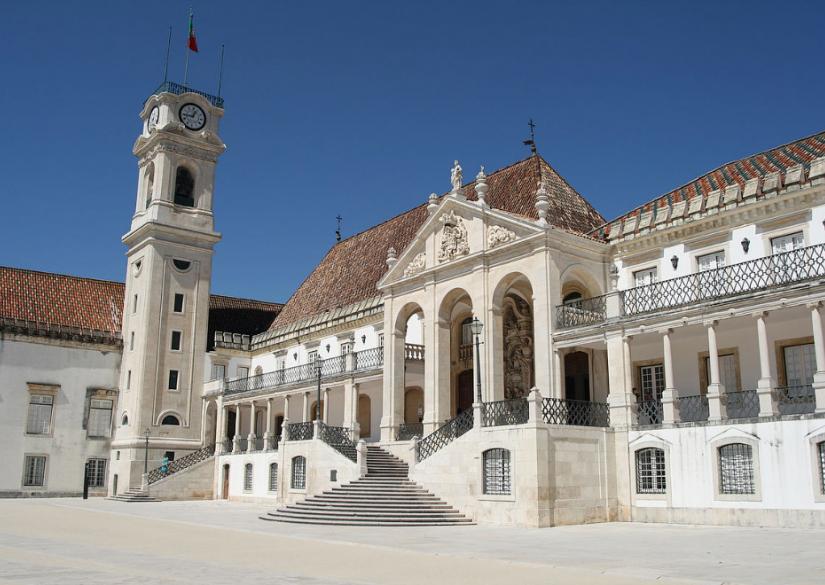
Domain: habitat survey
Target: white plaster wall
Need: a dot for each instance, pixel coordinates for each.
(75, 370)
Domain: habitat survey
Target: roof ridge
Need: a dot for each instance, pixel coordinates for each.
(702, 175)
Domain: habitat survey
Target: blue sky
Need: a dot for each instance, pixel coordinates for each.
(359, 108)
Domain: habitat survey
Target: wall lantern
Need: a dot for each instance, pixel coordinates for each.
(295, 356)
(674, 261)
(363, 339)
(327, 347)
(746, 244)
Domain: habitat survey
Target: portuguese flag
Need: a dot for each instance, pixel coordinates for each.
(193, 42)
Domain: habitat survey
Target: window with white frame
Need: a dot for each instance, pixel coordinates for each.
(652, 379)
(40, 414)
(100, 418)
(273, 477)
(651, 476)
(177, 336)
(787, 243)
(177, 305)
(218, 371)
(247, 477)
(711, 279)
(34, 471)
(727, 372)
(173, 379)
(786, 266)
(242, 371)
(96, 469)
(736, 471)
(299, 468)
(800, 364)
(644, 277)
(496, 472)
(820, 451)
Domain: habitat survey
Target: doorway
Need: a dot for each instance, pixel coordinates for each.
(225, 490)
(577, 376)
(465, 391)
(364, 416)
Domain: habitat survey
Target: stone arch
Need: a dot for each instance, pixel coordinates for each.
(513, 336)
(148, 184)
(455, 358)
(364, 415)
(578, 280)
(210, 423)
(184, 190)
(413, 404)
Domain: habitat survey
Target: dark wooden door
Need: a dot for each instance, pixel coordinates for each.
(465, 391)
(225, 492)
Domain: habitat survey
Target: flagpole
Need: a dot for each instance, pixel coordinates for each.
(220, 73)
(186, 65)
(166, 65)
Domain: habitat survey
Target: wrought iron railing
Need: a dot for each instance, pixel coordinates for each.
(243, 444)
(178, 89)
(504, 412)
(444, 435)
(796, 399)
(465, 352)
(649, 412)
(693, 408)
(407, 431)
(745, 277)
(339, 439)
(258, 444)
(182, 463)
(301, 431)
(581, 312)
(743, 404)
(226, 446)
(560, 411)
(368, 359)
(413, 351)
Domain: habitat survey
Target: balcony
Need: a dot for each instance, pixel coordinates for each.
(771, 272)
(178, 89)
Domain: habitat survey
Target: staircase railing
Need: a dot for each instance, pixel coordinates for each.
(444, 435)
(182, 463)
(301, 431)
(583, 413)
(338, 438)
(407, 431)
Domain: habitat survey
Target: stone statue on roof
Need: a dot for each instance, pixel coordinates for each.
(456, 177)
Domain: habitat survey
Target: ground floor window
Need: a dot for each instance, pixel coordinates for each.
(96, 468)
(247, 477)
(273, 477)
(821, 449)
(736, 469)
(651, 477)
(496, 472)
(299, 467)
(34, 471)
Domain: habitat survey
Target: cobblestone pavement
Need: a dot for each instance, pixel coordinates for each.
(69, 541)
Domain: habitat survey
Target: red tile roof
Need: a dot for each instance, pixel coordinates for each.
(778, 159)
(88, 304)
(352, 268)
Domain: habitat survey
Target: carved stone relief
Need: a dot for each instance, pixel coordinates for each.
(518, 347)
(453, 238)
(416, 265)
(497, 235)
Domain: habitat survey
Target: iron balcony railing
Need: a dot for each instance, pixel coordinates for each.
(243, 444)
(777, 270)
(444, 435)
(796, 399)
(560, 411)
(301, 431)
(369, 358)
(745, 277)
(741, 404)
(178, 89)
(182, 463)
(504, 413)
(693, 408)
(407, 431)
(582, 312)
(649, 412)
(339, 439)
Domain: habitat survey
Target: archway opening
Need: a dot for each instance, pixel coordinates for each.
(364, 416)
(577, 376)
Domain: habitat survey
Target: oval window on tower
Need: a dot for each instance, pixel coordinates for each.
(184, 187)
(182, 265)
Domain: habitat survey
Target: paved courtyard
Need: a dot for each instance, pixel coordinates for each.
(69, 541)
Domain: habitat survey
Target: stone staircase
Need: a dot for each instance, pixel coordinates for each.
(134, 495)
(384, 497)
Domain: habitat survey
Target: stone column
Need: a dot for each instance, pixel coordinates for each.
(542, 350)
(716, 406)
(557, 391)
(819, 353)
(766, 385)
(534, 400)
(286, 419)
(437, 399)
(393, 403)
(221, 430)
(305, 414)
(621, 399)
(351, 408)
(268, 436)
(236, 440)
(325, 409)
(250, 447)
(670, 397)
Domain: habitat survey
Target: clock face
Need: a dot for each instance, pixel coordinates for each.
(192, 116)
(153, 118)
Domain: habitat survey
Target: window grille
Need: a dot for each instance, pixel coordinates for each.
(247, 477)
(100, 418)
(40, 414)
(299, 467)
(496, 472)
(97, 473)
(651, 477)
(273, 477)
(822, 466)
(35, 471)
(736, 469)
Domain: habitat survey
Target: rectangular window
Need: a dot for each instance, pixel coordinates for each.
(96, 468)
(727, 372)
(711, 261)
(800, 364)
(298, 473)
(100, 418)
(176, 340)
(132, 341)
(311, 356)
(736, 469)
(128, 379)
(821, 449)
(40, 414)
(134, 304)
(787, 243)
(173, 379)
(653, 382)
(218, 371)
(242, 371)
(651, 477)
(273, 476)
(247, 477)
(34, 471)
(644, 277)
(496, 472)
(178, 305)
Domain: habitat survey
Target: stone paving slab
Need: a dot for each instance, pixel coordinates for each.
(70, 541)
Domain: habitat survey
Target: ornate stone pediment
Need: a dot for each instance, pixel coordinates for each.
(454, 241)
(497, 235)
(416, 265)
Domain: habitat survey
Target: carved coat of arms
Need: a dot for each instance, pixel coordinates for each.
(453, 238)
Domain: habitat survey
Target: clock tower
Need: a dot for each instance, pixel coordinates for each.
(168, 272)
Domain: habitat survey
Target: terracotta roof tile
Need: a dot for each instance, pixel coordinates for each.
(351, 268)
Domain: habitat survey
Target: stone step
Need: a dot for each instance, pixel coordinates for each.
(360, 518)
(434, 505)
(366, 522)
(366, 515)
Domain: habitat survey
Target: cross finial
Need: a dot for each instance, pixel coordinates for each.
(531, 142)
(338, 219)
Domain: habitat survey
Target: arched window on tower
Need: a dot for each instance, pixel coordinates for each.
(184, 187)
(170, 419)
(149, 184)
